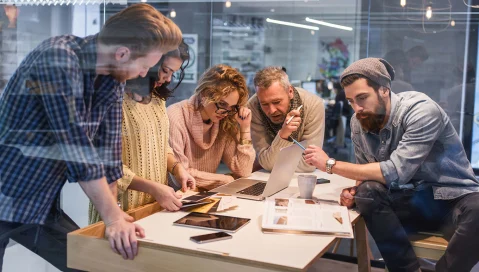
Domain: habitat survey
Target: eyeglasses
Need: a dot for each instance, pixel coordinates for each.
(222, 111)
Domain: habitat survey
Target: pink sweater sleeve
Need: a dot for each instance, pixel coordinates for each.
(239, 158)
(208, 180)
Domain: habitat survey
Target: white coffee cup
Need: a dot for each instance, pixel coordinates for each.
(306, 184)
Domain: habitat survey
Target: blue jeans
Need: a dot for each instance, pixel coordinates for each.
(393, 214)
(48, 241)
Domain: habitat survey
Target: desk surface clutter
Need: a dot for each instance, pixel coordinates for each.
(250, 243)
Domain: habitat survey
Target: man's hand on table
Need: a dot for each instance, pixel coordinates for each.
(122, 235)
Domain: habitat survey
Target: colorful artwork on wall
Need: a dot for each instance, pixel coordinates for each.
(335, 58)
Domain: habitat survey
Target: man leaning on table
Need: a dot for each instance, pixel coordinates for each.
(276, 120)
(60, 119)
(411, 163)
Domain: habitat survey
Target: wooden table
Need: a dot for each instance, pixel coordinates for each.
(249, 250)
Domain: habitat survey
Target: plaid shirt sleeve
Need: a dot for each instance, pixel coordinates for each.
(108, 141)
(60, 85)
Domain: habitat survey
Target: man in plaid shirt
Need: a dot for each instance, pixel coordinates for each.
(60, 119)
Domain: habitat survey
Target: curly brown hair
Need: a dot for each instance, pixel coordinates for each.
(217, 82)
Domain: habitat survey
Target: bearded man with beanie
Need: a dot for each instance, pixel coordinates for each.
(411, 169)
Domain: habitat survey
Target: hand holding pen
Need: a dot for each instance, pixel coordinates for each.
(291, 123)
(291, 118)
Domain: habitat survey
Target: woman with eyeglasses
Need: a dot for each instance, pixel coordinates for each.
(146, 154)
(214, 126)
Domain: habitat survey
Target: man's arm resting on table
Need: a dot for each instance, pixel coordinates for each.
(369, 171)
(120, 232)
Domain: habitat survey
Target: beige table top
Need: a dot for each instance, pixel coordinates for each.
(250, 243)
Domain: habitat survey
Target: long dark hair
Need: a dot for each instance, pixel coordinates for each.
(182, 52)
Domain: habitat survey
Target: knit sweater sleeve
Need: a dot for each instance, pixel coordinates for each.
(125, 181)
(208, 180)
(239, 158)
(178, 134)
(313, 131)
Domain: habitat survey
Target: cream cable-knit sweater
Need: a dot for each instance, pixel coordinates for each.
(202, 153)
(145, 132)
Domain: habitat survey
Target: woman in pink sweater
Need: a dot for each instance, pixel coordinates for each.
(214, 126)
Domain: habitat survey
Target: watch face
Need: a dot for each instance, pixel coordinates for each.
(330, 161)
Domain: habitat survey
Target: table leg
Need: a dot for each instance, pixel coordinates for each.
(362, 246)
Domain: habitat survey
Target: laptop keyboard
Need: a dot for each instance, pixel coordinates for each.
(254, 190)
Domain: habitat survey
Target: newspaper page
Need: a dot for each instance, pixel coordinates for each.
(306, 216)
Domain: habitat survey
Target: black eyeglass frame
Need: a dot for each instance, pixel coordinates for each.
(223, 111)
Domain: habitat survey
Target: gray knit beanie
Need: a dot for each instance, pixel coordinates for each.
(376, 69)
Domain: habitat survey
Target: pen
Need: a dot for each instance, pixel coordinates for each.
(291, 118)
(296, 142)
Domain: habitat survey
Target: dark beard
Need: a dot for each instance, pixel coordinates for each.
(373, 121)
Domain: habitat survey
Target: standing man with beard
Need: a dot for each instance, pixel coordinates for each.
(60, 119)
(412, 170)
(273, 105)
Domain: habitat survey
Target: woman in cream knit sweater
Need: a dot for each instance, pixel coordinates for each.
(214, 126)
(146, 154)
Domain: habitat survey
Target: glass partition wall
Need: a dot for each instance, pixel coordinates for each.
(431, 44)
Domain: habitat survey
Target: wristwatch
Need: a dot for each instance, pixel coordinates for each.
(329, 165)
(245, 142)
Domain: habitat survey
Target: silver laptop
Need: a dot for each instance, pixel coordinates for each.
(283, 171)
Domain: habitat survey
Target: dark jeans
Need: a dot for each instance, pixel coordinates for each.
(393, 214)
(48, 241)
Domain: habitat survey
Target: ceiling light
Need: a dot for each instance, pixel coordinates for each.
(403, 3)
(172, 13)
(228, 4)
(328, 24)
(453, 23)
(291, 24)
(428, 12)
(312, 32)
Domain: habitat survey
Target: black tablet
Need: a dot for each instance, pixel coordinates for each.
(212, 221)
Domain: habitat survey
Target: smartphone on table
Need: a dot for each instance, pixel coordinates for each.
(322, 181)
(210, 237)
